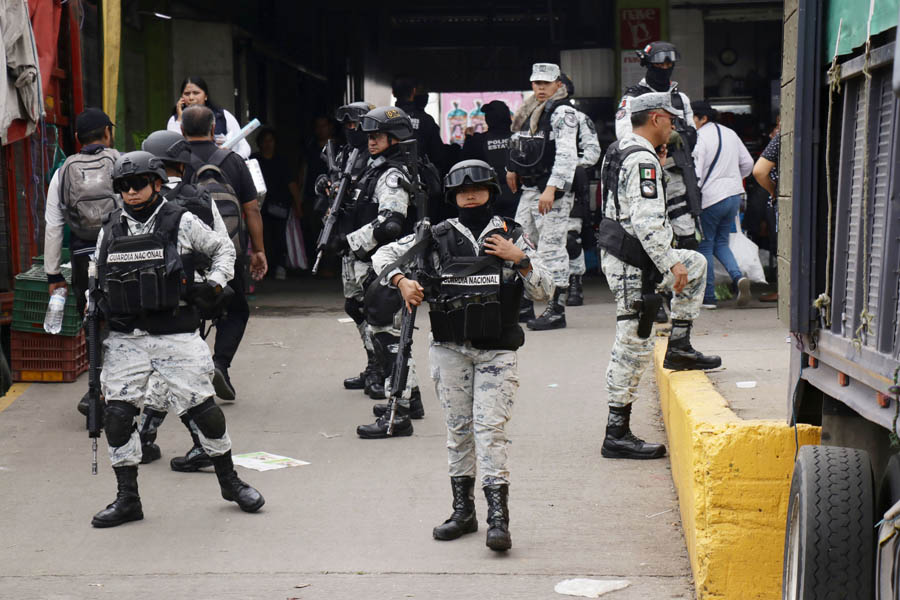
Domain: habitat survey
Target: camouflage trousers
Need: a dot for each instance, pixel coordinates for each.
(477, 389)
(631, 353)
(576, 265)
(548, 232)
(353, 273)
(179, 363)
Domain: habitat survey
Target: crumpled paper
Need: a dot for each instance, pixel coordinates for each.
(590, 588)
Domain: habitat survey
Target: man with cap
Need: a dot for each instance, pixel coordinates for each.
(659, 58)
(635, 239)
(492, 146)
(543, 154)
(80, 195)
(588, 155)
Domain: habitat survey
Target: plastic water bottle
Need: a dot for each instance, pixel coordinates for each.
(56, 308)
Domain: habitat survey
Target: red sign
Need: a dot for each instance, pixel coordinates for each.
(638, 27)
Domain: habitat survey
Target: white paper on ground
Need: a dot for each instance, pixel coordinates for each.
(264, 461)
(345, 320)
(590, 588)
(746, 385)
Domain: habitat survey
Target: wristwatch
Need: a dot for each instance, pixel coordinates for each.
(523, 264)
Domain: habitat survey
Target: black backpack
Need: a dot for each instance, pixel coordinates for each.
(208, 177)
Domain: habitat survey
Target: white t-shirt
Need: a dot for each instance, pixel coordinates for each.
(734, 163)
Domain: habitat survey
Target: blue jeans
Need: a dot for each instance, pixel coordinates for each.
(717, 221)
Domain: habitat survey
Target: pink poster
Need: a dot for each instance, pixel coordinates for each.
(460, 111)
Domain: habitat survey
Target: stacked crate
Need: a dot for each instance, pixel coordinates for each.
(35, 354)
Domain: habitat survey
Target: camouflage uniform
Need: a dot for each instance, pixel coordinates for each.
(549, 230)
(390, 196)
(353, 273)
(476, 388)
(588, 155)
(182, 361)
(645, 218)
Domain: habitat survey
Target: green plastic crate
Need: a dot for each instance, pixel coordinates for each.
(30, 303)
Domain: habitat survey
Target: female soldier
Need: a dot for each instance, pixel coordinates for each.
(195, 91)
(477, 267)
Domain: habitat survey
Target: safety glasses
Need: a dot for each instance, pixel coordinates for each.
(473, 174)
(130, 182)
(345, 115)
(664, 56)
(369, 124)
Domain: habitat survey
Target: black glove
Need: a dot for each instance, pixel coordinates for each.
(322, 184)
(339, 243)
(686, 242)
(207, 296)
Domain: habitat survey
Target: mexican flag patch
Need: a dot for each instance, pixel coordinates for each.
(648, 172)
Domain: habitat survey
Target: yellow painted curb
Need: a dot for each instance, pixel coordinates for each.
(14, 391)
(733, 479)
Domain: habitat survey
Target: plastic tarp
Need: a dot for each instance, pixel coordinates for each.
(855, 17)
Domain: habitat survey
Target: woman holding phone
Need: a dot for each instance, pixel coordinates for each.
(195, 91)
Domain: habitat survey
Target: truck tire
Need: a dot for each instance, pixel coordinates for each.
(829, 547)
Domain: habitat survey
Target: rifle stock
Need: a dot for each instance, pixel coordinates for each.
(336, 203)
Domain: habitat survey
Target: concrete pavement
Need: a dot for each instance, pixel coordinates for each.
(358, 519)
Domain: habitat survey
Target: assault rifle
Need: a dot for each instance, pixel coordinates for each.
(95, 403)
(684, 160)
(418, 198)
(337, 200)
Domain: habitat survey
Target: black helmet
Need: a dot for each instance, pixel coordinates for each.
(470, 172)
(138, 163)
(353, 112)
(658, 52)
(570, 87)
(387, 119)
(168, 146)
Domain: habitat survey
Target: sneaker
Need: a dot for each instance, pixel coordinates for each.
(280, 273)
(743, 288)
(709, 305)
(222, 384)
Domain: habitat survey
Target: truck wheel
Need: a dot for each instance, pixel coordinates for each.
(829, 547)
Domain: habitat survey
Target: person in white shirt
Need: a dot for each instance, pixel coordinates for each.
(722, 161)
(195, 91)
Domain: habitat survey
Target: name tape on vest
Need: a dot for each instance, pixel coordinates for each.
(474, 280)
(138, 256)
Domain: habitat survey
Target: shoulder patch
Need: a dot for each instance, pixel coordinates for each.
(392, 179)
(570, 119)
(647, 174)
(620, 114)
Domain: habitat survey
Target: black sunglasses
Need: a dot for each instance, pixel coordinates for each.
(130, 182)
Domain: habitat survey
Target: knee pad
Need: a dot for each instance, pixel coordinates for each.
(354, 309)
(119, 422)
(209, 419)
(573, 244)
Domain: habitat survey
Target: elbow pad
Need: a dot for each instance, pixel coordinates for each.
(390, 229)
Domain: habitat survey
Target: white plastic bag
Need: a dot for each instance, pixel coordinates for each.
(296, 250)
(746, 253)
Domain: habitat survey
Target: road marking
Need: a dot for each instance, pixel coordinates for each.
(15, 390)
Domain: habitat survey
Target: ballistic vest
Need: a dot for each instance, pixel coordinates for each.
(471, 302)
(532, 154)
(143, 278)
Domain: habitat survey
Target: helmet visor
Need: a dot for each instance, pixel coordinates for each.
(368, 124)
(130, 182)
(469, 175)
(346, 114)
(663, 56)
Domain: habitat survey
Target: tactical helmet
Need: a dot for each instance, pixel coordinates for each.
(167, 146)
(387, 119)
(353, 112)
(570, 87)
(470, 172)
(658, 52)
(138, 162)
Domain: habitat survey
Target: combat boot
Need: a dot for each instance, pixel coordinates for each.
(498, 538)
(415, 411)
(127, 505)
(554, 316)
(576, 291)
(359, 383)
(681, 356)
(526, 311)
(379, 429)
(233, 489)
(374, 387)
(462, 520)
(621, 443)
(222, 383)
(194, 459)
(150, 422)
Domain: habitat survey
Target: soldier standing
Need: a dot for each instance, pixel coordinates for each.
(144, 262)
(637, 257)
(543, 154)
(478, 265)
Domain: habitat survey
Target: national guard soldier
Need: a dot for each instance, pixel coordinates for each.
(144, 265)
(637, 257)
(543, 154)
(380, 216)
(353, 270)
(172, 149)
(477, 268)
(588, 155)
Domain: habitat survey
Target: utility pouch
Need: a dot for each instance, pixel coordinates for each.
(457, 319)
(483, 321)
(150, 292)
(441, 330)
